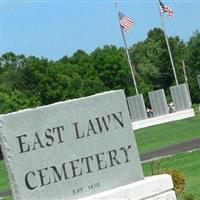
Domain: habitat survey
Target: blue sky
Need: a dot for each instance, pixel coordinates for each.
(53, 29)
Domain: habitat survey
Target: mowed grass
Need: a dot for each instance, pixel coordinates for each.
(188, 164)
(4, 182)
(155, 137)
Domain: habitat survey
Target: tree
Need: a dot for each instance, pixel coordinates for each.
(112, 68)
(32, 81)
(193, 65)
(15, 100)
(152, 59)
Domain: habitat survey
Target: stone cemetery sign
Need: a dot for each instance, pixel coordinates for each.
(70, 149)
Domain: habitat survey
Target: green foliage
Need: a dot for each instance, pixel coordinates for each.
(153, 62)
(177, 177)
(193, 65)
(112, 68)
(14, 100)
(31, 81)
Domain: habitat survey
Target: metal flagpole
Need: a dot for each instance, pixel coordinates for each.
(126, 48)
(184, 71)
(168, 47)
(186, 82)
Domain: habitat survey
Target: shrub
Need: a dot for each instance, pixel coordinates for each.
(177, 176)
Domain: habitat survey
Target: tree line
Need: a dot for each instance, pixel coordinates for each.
(29, 81)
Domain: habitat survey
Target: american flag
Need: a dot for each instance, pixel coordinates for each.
(125, 22)
(166, 8)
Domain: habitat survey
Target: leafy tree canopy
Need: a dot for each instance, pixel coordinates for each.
(32, 81)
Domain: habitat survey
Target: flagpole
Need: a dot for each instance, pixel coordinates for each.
(126, 49)
(186, 81)
(168, 47)
(184, 71)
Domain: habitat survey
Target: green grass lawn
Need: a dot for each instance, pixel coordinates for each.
(155, 137)
(4, 183)
(188, 164)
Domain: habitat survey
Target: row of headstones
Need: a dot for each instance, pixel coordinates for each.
(180, 96)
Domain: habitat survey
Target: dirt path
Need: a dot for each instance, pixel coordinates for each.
(171, 149)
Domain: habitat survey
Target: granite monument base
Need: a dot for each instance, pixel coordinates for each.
(184, 114)
(158, 187)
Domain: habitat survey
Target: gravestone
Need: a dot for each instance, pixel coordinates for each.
(198, 80)
(158, 102)
(137, 107)
(70, 149)
(188, 90)
(181, 97)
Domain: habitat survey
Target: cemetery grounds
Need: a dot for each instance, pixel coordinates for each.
(153, 138)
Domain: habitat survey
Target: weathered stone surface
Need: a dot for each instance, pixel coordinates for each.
(158, 187)
(137, 107)
(70, 149)
(158, 102)
(181, 97)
